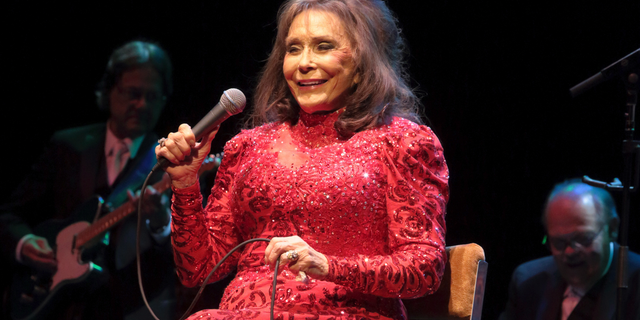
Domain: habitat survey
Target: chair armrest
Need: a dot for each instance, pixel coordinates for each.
(458, 289)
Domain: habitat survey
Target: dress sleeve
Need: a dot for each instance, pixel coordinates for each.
(416, 195)
(202, 237)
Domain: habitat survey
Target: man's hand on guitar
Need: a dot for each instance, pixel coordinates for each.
(155, 207)
(36, 253)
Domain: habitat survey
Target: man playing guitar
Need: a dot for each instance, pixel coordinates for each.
(109, 159)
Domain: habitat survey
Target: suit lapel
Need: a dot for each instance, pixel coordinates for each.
(589, 303)
(92, 161)
(135, 172)
(600, 302)
(551, 302)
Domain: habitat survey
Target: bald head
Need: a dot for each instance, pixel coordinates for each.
(581, 223)
(576, 192)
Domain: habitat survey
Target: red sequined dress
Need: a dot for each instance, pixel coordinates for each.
(374, 205)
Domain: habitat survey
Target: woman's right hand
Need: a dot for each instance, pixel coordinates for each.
(185, 155)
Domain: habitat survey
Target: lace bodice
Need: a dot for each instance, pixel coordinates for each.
(373, 204)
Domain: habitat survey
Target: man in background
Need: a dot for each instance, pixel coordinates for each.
(110, 159)
(579, 280)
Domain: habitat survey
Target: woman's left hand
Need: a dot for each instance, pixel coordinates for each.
(308, 261)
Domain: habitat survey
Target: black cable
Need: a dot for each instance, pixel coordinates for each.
(144, 297)
(273, 291)
(206, 280)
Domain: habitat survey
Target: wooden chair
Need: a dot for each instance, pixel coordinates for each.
(461, 292)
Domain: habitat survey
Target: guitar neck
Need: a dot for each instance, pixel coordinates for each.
(111, 219)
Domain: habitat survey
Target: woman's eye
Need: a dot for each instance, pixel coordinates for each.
(325, 46)
(293, 49)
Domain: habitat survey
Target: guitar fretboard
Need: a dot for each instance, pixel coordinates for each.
(111, 219)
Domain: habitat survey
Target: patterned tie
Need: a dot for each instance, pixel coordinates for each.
(118, 158)
(571, 299)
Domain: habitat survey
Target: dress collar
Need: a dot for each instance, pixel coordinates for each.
(317, 130)
(325, 118)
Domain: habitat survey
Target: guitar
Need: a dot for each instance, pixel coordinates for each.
(35, 295)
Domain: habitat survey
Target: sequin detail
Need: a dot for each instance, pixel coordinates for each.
(374, 204)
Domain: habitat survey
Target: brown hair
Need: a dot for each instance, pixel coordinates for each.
(378, 52)
(133, 55)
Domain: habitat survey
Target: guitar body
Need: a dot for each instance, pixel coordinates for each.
(35, 295)
(74, 240)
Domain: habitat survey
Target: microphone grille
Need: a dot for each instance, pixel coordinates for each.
(233, 100)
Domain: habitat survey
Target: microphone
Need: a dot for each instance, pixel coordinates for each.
(628, 63)
(231, 103)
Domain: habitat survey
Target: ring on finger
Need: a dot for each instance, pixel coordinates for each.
(292, 255)
(161, 142)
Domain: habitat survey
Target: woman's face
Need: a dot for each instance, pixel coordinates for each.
(318, 64)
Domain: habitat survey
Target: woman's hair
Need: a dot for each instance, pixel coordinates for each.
(133, 55)
(378, 50)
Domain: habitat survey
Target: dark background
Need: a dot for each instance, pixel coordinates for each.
(495, 78)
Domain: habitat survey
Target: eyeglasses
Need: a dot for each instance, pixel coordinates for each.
(135, 94)
(583, 240)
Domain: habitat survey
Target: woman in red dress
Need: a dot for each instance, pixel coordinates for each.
(337, 170)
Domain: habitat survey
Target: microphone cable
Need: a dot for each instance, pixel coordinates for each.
(206, 280)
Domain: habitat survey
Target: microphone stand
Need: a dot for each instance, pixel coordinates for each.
(629, 68)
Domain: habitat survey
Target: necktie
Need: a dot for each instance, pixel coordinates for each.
(118, 158)
(571, 299)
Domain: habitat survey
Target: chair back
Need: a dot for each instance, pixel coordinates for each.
(461, 291)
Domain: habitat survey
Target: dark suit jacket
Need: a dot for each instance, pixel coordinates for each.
(70, 171)
(536, 292)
